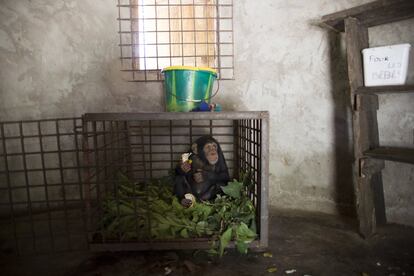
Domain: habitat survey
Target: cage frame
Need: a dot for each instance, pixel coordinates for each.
(195, 243)
(65, 142)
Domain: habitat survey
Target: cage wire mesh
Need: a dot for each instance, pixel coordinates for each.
(155, 34)
(57, 174)
(41, 197)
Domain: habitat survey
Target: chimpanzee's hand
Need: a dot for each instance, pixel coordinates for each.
(186, 202)
(198, 176)
(185, 167)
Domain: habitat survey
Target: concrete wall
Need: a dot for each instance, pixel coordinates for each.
(60, 58)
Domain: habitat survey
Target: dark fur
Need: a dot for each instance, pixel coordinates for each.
(214, 176)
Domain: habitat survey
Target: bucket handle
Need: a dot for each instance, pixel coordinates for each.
(198, 101)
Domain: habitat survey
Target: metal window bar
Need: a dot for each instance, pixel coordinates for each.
(155, 35)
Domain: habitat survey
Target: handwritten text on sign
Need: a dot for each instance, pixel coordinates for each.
(392, 70)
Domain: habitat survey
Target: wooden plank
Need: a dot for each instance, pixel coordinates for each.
(370, 166)
(365, 206)
(366, 102)
(356, 39)
(405, 155)
(379, 201)
(372, 14)
(392, 89)
(365, 129)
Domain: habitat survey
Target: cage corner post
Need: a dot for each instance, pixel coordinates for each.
(86, 175)
(264, 206)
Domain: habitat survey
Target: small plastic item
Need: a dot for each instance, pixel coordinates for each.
(215, 107)
(202, 107)
(386, 65)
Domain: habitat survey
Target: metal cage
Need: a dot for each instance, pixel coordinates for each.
(80, 158)
(41, 194)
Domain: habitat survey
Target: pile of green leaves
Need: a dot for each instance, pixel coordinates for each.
(151, 211)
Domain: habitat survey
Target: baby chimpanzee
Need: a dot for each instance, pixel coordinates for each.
(204, 174)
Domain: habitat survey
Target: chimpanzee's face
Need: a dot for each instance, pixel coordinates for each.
(210, 152)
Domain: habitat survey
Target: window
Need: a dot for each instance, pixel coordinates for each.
(155, 34)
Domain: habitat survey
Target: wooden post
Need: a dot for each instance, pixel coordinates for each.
(368, 182)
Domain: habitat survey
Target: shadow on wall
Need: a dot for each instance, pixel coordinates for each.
(342, 120)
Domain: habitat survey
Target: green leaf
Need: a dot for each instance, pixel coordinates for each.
(160, 218)
(212, 252)
(268, 255)
(233, 189)
(176, 205)
(163, 226)
(232, 210)
(123, 179)
(253, 226)
(272, 269)
(243, 233)
(184, 233)
(242, 247)
(225, 239)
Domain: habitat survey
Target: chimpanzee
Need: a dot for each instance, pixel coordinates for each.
(204, 174)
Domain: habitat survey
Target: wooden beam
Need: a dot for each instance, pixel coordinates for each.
(356, 40)
(372, 14)
(366, 102)
(385, 89)
(365, 130)
(405, 155)
(370, 166)
(365, 206)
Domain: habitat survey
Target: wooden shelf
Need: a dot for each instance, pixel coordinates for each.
(368, 185)
(405, 155)
(372, 14)
(395, 89)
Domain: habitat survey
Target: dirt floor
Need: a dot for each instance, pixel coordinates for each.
(301, 243)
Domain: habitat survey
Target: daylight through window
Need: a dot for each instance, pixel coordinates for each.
(155, 34)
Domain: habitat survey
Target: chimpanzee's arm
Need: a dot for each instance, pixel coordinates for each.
(181, 186)
(179, 170)
(219, 176)
(215, 180)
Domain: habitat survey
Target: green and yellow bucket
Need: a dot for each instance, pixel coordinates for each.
(186, 86)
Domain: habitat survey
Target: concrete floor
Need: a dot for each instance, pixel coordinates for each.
(301, 243)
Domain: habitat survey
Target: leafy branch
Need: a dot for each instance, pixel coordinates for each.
(151, 211)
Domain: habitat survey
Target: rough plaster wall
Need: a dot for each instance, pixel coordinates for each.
(283, 63)
(59, 58)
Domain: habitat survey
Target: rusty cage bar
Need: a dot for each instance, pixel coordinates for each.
(144, 146)
(56, 174)
(41, 193)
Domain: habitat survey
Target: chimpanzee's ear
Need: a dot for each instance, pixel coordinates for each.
(194, 148)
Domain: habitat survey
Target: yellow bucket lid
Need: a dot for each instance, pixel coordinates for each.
(208, 69)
